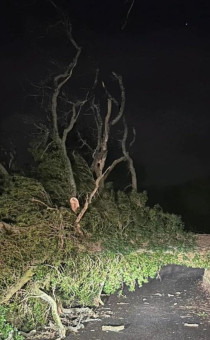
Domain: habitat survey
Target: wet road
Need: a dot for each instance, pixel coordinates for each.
(174, 306)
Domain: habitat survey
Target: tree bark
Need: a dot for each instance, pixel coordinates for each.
(128, 157)
(59, 82)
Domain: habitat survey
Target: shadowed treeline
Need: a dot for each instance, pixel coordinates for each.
(191, 200)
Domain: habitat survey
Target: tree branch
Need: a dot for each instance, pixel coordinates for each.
(84, 143)
(89, 200)
(61, 79)
(113, 165)
(18, 285)
(127, 15)
(128, 157)
(3, 170)
(122, 103)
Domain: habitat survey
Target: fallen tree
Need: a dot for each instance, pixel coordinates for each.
(46, 267)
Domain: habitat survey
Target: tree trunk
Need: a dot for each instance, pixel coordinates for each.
(73, 188)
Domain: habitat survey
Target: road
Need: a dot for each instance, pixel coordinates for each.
(173, 306)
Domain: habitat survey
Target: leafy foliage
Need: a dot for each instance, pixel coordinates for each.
(133, 224)
(124, 242)
(36, 232)
(51, 171)
(75, 270)
(28, 314)
(16, 202)
(83, 176)
(6, 330)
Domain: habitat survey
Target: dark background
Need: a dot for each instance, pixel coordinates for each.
(163, 54)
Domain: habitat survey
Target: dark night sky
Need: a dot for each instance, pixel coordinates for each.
(163, 54)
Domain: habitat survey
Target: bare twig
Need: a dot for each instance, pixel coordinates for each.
(45, 150)
(84, 143)
(42, 203)
(128, 13)
(113, 165)
(122, 103)
(134, 138)
(109, 95)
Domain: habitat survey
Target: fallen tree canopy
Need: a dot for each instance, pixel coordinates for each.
(54, 256)
(46, 267)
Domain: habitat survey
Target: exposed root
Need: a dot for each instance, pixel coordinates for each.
(42, 295)
(72, 320)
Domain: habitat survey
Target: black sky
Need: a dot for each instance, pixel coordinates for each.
(163, 54)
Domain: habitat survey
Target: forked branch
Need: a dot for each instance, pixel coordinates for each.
(59, 81)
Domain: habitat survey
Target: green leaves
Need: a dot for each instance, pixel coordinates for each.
(134, 242)
(6, 330)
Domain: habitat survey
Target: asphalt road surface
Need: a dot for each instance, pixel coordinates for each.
(172, 307)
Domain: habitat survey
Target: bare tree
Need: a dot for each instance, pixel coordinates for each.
(103, 130)
(100, 152)
(74, 110)
(114, 115)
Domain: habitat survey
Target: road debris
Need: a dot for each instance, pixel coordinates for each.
(111, 328)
